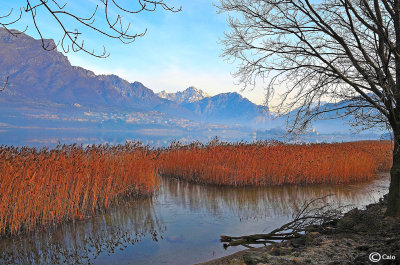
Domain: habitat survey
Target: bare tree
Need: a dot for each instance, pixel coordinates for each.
(346, 52)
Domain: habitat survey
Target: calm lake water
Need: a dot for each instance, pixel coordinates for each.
(181, 224)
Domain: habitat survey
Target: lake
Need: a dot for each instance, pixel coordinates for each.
(180, 224)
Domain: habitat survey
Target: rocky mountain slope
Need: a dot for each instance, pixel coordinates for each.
(48, 76)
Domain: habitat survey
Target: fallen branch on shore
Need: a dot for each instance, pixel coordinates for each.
(307, 217)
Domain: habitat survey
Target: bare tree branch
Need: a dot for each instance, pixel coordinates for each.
(331, 50)
(5, 85)
(73, 26)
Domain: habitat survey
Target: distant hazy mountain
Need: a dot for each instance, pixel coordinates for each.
(231, 107)
(222, 108)
(189, 95)
(334, 122)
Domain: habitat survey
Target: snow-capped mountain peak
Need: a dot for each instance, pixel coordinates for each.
(189, 95)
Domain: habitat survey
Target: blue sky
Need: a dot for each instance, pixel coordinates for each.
(179, 50)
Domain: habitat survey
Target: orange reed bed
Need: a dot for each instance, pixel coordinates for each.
(46, 187)
(275, 163)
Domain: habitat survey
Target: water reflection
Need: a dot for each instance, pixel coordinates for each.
(83, 241)
(253, 202)
(49, 137)
(181, 224)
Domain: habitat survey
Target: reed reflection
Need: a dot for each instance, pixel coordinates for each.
(253, 202)
(83, 241)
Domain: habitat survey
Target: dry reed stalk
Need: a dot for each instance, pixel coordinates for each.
(46, 187)
(275, 163)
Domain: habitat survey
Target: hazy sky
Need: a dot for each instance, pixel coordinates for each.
(179, 50)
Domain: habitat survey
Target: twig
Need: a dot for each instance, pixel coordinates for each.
(5, 85)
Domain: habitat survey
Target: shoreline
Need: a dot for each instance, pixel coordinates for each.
(350, 240)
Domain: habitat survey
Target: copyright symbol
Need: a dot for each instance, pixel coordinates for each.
(375, 257)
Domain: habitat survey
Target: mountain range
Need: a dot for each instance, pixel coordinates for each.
(45, 91)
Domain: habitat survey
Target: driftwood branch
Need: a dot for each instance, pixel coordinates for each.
(308, 216)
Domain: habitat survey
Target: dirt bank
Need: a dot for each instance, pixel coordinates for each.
(358, 237)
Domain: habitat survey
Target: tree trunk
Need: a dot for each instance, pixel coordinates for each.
(393, 208)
